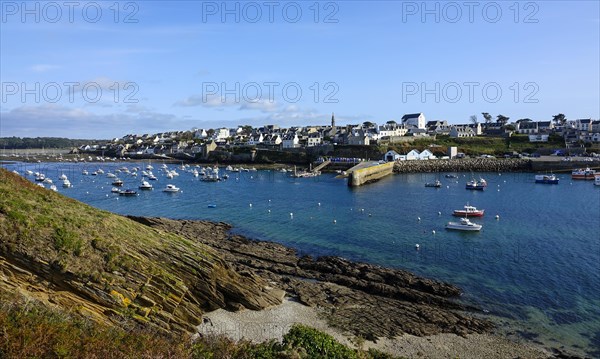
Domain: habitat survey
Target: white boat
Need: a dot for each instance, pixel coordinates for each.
(111, 175)
(84, 172)
(115, 190)
(171, 188)
(66, 183)
(40, 177)
(53, 188)
(100, 171)
(597, 180)
(169, 175)
(145, 185)
(28, 172)
(149, 167)
(464, 225)
(62, 177)
(41, 185)
(584, 174)
(47, 180)
(228, 168)
(546, 179)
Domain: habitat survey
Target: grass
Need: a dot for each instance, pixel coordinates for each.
(479, 145)
(33, 330)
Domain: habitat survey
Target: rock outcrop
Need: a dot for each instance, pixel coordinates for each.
(64, 252)
(364, 299)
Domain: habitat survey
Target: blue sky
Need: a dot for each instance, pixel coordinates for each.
(180, 65)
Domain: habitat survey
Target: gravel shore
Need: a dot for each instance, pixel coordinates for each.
(273, 323)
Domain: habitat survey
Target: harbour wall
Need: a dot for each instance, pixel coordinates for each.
(370, 174)
(464, 165)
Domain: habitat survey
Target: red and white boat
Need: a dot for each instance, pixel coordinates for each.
(584, 174)
(468, 211)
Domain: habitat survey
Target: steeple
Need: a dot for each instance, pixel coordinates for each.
(332, 120)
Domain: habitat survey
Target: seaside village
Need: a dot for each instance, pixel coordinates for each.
(199, 143)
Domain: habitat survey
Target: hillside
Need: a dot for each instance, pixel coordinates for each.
(108, 267)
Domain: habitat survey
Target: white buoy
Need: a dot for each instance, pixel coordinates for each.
(319, 204)
(497, 216)
(269, 200)
(433, 231)
(370, 215)
(250, 205)
(334, 221)
(269, 211)
(362, 210)
(447, 186)
(418, 218)
(417, 246)
(439, 213)
(291, 214)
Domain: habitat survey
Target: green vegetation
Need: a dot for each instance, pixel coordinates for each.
(32, 330)
(478, 145)
(42, 142)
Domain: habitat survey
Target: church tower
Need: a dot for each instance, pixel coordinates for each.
(332, 121)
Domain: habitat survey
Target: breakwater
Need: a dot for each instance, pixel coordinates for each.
(369, 174)
(464, 165)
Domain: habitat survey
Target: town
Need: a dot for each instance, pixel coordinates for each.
(299, 144)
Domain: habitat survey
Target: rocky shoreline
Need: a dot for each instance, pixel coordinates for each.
(366, 300)
(464, 165)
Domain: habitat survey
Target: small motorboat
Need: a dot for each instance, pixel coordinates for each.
(597, 180)
(145, 186)
(152, 177)
(62, 177)
(84, 172)
(115, 190)
(584, 174)
(546, 179)
(436, 184)
(212, 206)
(128, 193)
(117, 183)
(464, 225)
(469, 211)
(66, 183)
(40, 177)
(476, 185)
(451, 176)
(171, 188)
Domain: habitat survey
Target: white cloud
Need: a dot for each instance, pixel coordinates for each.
(44, 67)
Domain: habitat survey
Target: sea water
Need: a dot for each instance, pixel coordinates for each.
(535, 267)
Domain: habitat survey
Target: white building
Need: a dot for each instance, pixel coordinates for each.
(290, 140)
(426, 155)
(415, 120)
(461, 131)
(412, 155)
(314, 139)
(221, 134)
(391, 156)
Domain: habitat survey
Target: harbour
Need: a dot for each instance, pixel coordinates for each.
(529, 268)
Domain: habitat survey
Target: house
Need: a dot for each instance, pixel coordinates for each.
(417, 132)
(314, 139)
(391, 130)
(414, 120)
(461, 131)
(359, 138)
(527, 128)
(494, 129)
(583, 124)
(412, 155)
(391, 156)
(272, 140)
(426, 155)
(221, 134)
(255, 139)
(545, 126)
(290, 140)
(595, 126)
(437, 128)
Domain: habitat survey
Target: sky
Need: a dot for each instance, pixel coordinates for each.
(100, 70)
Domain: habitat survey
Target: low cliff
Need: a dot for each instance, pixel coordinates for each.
(106, 266)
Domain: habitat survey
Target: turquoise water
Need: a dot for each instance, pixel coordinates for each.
(537, 267)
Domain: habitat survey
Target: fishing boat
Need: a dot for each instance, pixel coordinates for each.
(152, 177)
(436, 184)
(128, 192)
(468, 211)
(597, 180)
(171, 188)
(464, 225)
(117, 182)
(145, 186)
(584, 174)
(476, 185)
(546, 179)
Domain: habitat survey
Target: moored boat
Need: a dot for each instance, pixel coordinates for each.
(464, 225)
(436, 184)
(584, 174)
(476, 185)
(145, 186)
(128, 192)
(117, 182)
(469, 211)
(597, 180)
(547, 179)
(171, 188)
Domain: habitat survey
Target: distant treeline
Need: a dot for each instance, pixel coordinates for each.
(43, 142)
